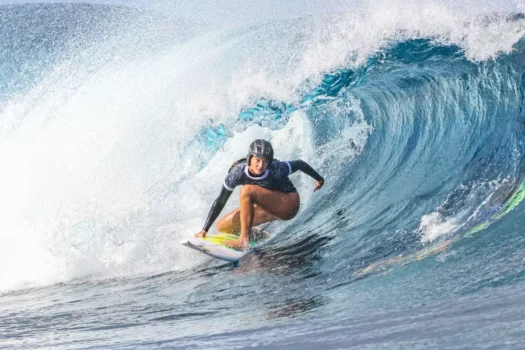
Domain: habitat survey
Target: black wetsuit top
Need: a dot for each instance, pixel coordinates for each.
(275, 178)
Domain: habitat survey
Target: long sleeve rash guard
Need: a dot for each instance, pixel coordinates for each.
(276, 175)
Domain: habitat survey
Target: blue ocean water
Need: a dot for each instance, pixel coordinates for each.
(117, 127)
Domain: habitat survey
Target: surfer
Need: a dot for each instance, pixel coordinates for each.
(267, 194)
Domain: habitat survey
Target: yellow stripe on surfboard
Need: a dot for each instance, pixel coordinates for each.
(221, 237)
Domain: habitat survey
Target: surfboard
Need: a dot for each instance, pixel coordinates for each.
(212, 245)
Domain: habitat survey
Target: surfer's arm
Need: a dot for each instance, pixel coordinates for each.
(305, 168)
(216, 208)
(308, 170)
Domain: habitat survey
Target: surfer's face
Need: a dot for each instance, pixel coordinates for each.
(258, 165)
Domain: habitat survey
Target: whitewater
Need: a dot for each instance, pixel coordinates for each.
(118, 123)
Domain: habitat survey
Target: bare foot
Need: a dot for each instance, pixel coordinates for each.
(237, 244)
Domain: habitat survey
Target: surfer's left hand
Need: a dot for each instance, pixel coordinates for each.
(201, 234)
(318, 184)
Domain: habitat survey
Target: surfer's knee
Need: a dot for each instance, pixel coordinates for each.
(220, 226)
(247, 191)
(224, 224)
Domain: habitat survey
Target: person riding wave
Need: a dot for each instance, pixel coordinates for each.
(267, 194)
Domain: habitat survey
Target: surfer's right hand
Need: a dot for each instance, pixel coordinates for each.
(201, 234)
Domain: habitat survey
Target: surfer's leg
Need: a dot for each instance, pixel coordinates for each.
(231, 222)
(282, 205)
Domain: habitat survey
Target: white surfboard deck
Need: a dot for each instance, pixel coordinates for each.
(212, 245)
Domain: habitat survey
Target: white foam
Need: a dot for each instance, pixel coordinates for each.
(434, 225)
(479, 199)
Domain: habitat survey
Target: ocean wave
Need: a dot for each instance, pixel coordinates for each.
(113, 153)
